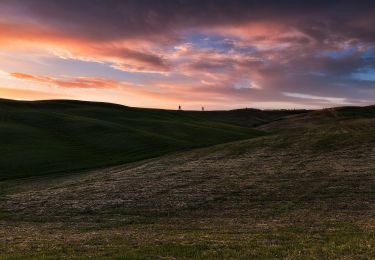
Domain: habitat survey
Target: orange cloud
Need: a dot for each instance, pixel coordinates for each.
(99, 83)
(81, 82)
(25, 94)
(30, 77)
(128, 55)
(166, 91)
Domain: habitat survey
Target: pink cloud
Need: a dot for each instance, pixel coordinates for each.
(81, 82)
(270, 49)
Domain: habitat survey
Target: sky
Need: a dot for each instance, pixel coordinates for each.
(220, 54)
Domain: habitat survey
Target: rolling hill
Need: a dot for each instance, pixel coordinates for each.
(47, 137)
(306, 191)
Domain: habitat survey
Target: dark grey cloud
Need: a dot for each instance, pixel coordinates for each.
(112, 19)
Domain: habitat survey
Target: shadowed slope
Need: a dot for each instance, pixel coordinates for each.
(53, 136)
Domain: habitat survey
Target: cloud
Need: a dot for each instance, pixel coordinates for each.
(159, 91)
(212, 51)
(127, 55)
(113, 20)
(331, 100)
(81, 82)
(27, 94)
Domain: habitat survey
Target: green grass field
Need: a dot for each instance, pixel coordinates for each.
(47, 137)
(305, 190)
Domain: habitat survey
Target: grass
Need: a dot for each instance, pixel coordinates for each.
(325, 241)
(45, 137)
(305, 192)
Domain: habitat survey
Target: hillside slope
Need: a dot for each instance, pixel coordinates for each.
(305, 192)
(55, 136)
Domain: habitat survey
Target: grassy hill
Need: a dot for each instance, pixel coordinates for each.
(304, 192)
(56, 136)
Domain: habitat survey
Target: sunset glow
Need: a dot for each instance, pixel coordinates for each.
(218, 54)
